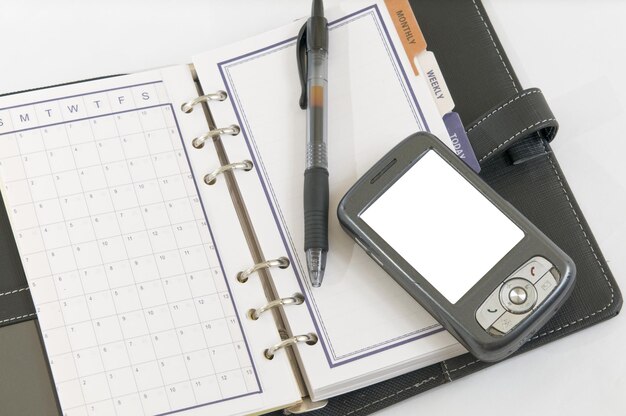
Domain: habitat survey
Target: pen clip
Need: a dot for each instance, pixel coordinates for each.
(302, 63)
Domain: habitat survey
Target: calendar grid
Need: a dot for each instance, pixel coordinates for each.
(86, 167)
(130, 310)
(102, 139)
(60, 123)
(224, 312)
(58, 302)
(152, 248)
(126, 251)
(182, 223)
(82, 288)
(85, 282)
(72, 351)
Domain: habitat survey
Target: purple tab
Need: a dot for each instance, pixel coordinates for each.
(460, 142)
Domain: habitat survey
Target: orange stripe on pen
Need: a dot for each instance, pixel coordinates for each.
(316, 96)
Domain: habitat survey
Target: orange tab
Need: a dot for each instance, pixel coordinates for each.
(407, 28)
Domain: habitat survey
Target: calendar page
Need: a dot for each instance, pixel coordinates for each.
(134, 291)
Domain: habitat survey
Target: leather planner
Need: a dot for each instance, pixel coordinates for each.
(510, 128)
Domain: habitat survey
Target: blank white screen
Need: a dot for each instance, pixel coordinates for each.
(442, 226)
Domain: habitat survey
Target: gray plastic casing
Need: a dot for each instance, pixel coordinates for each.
(458, 318)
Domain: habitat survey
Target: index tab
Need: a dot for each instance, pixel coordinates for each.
(437, 84)
(409, 31)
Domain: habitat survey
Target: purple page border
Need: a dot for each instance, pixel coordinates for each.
(404, 79)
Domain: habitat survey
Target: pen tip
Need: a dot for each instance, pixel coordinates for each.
(316, 278)
(316, 262)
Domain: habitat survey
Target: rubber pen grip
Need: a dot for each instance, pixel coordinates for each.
(316, 208)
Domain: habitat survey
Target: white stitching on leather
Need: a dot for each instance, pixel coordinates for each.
(18, 317)
(14, 291)
(428, 380)
(608, 305)
(501, 107)
(595, 255)
(514, 136)
(462, 367)
(495, 46)
(445, 370)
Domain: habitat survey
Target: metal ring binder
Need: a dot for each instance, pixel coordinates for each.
(281, 263)
(232, 130)
(309, 339)
(296, 299)
(187, 107)
(211, 178)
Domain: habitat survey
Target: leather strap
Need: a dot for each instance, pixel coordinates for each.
(529, 148)
(507, 123)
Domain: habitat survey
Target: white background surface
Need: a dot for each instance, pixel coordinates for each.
(573, 50)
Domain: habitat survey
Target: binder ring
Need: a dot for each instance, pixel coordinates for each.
(281, 263)
(309, 339)
(232, 130)
(296, 299)
(211, 178)
(187, 106)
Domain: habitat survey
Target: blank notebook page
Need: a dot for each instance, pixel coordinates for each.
(364, 320)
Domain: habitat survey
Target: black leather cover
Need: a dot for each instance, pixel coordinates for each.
(16, 304)
(510, 129)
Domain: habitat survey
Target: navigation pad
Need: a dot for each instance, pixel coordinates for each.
(516, 298)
